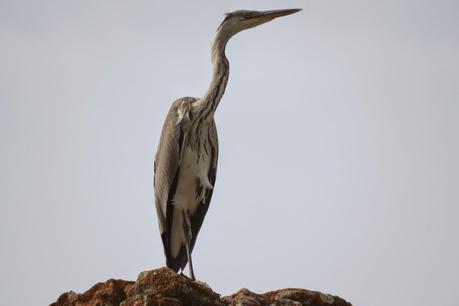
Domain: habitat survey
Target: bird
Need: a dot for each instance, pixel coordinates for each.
(185, 165)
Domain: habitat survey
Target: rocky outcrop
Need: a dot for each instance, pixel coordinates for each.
(163, 287)
(112, 292)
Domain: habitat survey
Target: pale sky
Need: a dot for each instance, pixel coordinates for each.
(339, 145)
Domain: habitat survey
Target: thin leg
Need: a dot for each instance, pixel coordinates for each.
(188, 243)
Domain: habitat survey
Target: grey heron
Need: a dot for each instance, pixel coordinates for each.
(186, 160)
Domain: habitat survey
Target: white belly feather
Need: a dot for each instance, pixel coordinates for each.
(193, 174)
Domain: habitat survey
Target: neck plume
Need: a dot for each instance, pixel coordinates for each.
(208, 103)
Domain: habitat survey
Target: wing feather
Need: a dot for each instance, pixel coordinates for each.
(166, 167)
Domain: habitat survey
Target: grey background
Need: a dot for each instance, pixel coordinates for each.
(339, 146)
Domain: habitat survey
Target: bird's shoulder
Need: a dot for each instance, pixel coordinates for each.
(182, 107)
(176, 119)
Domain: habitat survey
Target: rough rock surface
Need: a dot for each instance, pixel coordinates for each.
(163, 287)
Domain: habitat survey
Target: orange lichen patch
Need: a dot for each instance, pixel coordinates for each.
(112, 292)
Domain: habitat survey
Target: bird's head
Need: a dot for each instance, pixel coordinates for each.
(237, 21)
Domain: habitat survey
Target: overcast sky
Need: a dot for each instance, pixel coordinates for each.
(339, 145)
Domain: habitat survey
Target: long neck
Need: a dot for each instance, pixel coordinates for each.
(208, 103)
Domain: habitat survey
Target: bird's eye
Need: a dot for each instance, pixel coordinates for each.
(247, 15)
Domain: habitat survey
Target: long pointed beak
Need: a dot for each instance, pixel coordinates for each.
(276, 13)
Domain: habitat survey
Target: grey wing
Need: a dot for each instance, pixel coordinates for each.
(167, 161)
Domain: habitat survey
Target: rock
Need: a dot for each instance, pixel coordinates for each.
(284, 297)
(164, 287)
(306, 297)
(110, 293)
